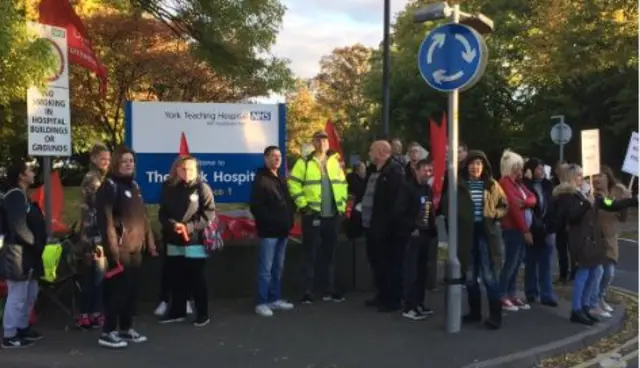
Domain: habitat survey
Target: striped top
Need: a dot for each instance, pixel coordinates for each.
(476, 189)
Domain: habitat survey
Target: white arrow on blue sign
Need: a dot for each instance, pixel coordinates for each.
(452, 56)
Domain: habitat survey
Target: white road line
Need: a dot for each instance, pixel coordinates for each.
(628, 240)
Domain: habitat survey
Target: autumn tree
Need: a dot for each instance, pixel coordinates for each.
(304, 117)
(340, 89)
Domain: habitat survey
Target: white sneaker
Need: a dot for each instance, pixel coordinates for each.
(264, 310)
(281, 305)
(189, 308)
(606, 307)
(112, 340)
(132, 336)
(600, 313)
(161, 309)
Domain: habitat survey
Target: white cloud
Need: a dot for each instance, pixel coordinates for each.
(314, 28)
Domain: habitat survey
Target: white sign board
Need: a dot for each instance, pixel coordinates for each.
(561, 133)
(630, 164)
(49, 126)
(547, 172)
(590, 140)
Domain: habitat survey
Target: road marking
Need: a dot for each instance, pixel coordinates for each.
(629, 240)
(612, 353)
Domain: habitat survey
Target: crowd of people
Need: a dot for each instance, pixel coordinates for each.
(502, 224)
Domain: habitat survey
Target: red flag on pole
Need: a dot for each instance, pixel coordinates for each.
(334, 139)
(438, 137)
(184, 146)
(61, 14)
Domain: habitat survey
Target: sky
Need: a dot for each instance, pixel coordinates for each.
(313, 28)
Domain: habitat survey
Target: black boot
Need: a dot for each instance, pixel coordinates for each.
(475, 309)
(587, 313)
(578, 316)
(494, 321)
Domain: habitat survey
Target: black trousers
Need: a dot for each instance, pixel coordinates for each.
(320, 235)
(416, 260)
(165, 279)
(120, 293)
(432, 263)
(566, 265)
(188, 280)
(386, 257)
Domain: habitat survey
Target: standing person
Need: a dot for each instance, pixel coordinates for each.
(381, 217)
(538, 285)
(25, 235)
(125, 232)
(415, 154)
(606, 185)
(355, 187)
(566, 265)
(273, 210)
(397, 151)
(419, 222)
(481, 205)
(90, 297)
(515, 228)
(580, 214)
(318, 186)
(187, 207)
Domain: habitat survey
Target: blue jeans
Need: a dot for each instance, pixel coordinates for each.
(602, 280)
(582, 285)
(270, 265)
(481, 267)
(537, 274)
(514, 250)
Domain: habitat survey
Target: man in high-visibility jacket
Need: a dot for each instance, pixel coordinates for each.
(319, 189)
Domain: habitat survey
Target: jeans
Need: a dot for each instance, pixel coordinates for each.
(320, 234)
(188, 280)
(21, 297)
(514, 249)
(482, 268)
(537, 280)
(416, 258)
(270, 266)
(602, 280)
(565, 263)
(90, 298)
(582, 285)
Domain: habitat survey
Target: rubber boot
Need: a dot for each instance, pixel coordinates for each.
(494, 321)
(475, 309)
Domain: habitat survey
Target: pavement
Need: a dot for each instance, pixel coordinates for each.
(315, 336)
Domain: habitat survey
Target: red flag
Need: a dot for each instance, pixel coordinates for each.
(184, 146)
(61, 14)
(57, 202)
(334, 139)
(438, 137)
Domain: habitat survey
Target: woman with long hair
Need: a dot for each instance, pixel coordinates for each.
(125, 232)
(25, 235)
(579, 214)
(606, 185)
(90, 280)
(187, 207)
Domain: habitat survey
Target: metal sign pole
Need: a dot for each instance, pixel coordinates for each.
(454, 289)
(46, 162)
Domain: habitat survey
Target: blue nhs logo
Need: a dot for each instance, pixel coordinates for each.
(260, 115)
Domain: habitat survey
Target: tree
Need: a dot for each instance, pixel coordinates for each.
(144, 61)
(234, 36)
(340, 89)
(304, 117)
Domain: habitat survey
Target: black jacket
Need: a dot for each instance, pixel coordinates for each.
(418, 209)
(355, 184)
(25, 234)
(387, 210)
(191, 204)
(408, 173)
(542, 224)
(122, 218)
(271, 205)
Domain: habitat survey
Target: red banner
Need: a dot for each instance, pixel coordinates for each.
(438, 137)
(334, 139)
(61, 14)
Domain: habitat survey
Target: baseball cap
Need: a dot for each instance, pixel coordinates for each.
(320, 134)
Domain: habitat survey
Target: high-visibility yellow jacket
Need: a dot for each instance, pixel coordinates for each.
(305, 183)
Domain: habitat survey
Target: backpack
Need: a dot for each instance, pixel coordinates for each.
(212, 233)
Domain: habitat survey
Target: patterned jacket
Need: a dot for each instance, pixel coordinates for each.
(90, 184)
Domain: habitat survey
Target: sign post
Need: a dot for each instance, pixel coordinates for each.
(630, 164)
(452, 57)
(590, 142)
(560, 134)
(48, 115)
